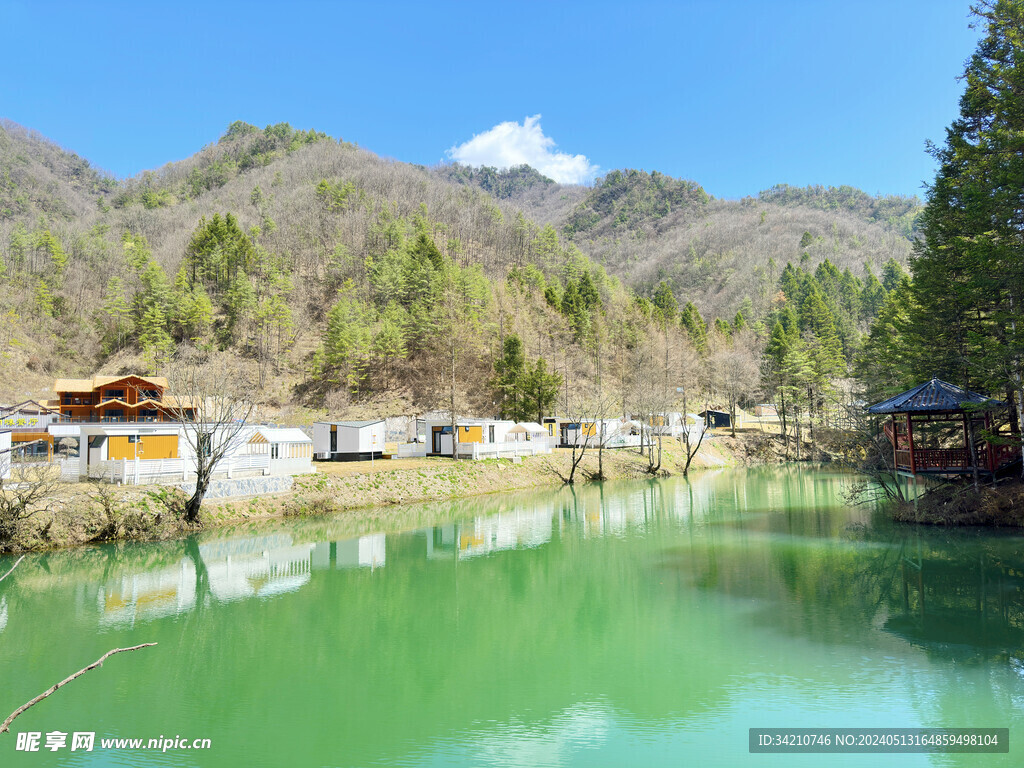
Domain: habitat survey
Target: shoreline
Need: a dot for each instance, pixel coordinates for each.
(87, 514)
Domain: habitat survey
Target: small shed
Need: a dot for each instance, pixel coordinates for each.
(716, 419)
(290, 449)
(938, 428)
(349, 440)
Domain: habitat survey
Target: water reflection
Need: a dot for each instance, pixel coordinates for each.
(586, 626)
(838, 572)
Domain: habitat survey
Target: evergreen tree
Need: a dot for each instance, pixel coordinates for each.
(968, 272)
(695, 327)
(540, 390)
(665, 301)
(882, 364)
(113, 318)
(347, 341)
(508, 381)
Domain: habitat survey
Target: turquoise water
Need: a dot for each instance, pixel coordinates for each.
(641, 624)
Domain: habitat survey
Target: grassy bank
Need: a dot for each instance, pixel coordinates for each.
(86, 513)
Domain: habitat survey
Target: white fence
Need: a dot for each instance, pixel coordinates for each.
(411, 450)
(136, 471)
(505, 450)
(621, 441)
(69, 469)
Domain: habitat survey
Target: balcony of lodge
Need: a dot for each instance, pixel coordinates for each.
(938, 428)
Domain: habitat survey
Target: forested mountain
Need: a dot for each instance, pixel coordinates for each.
(722, 254)
(373, 285)
(38, 178)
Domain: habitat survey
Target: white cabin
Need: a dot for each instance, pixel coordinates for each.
(349, 440)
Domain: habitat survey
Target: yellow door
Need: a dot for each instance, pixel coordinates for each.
(119, 448)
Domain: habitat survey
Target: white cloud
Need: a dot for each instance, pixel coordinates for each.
(509, 144)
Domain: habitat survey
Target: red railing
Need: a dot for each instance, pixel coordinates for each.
(1004, 454)
(955, 459)
(942, 458)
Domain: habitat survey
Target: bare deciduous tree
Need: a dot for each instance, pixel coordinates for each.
(213, 401)
(734, 368)
(27, 492)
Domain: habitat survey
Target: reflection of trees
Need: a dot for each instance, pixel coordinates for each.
(953, 593)
(965, 593)
(368, 666)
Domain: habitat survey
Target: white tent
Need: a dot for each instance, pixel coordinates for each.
(527, 430)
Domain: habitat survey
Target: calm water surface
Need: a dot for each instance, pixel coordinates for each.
(638, 624)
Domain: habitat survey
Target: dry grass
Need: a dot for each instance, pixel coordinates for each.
(959, 504)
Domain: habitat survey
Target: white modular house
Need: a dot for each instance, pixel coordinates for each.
(289, 450)
(5, 454)
(349, 440)
(471, 432)
(153, 452)
(669, 423)
(591, 433)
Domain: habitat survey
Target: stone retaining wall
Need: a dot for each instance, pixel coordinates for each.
(243, 486)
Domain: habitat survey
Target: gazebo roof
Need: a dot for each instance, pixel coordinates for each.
(931, 397)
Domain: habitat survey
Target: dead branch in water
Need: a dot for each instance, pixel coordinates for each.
(6, 724)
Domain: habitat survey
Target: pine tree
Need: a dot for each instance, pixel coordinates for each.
(695, 327)
(509, 371)
(114, 317)
(968, 273)
(540, 390)
(666, 302)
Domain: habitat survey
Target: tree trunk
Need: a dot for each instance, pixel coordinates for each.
(194, 503)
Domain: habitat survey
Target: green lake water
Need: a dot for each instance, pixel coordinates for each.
(631, 624)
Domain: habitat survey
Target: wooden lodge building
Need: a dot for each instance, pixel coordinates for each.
(932, 426)
(114, 399)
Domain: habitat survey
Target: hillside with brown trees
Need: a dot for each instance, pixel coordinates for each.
(361, 285)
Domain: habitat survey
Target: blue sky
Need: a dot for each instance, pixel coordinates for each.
(734, 95)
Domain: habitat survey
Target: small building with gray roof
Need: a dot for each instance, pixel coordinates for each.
(348, 440)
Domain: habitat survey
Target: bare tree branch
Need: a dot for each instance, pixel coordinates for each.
(6, 724)
(213, 403)
(12, 568)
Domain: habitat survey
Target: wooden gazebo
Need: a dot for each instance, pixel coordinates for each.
(932, 426)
